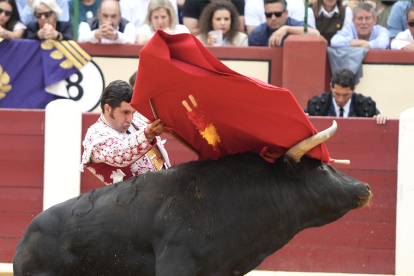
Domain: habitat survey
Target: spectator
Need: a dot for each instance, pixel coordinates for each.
(221, 16)
(132, 79)
(331, 16)
(47, 13)
(160, 16)
(404, 40)
(342, 101)
(363, 32)
(192, 10)
(121, 143)
(398, 17)
(10, 25)
(278, 26)
(135, 11)
(25, 8)
(383, 10)
(180, 4)
(87, 9)
(254, 13)
(108, 26)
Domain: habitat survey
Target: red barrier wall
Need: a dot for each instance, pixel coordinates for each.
(21, 169)
(363, 241)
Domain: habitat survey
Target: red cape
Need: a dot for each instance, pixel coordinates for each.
(248, 114)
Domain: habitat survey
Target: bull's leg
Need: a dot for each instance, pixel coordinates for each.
(175, 260)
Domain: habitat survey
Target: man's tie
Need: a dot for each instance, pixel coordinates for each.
(129, 132)
(341, 112)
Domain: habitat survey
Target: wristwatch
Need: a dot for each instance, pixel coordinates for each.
(5, 34)
(58, 36)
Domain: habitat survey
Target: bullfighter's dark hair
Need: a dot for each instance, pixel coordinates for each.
(283, 2)
(206, 18)
(15, 17)
(344, 78)
(115, 93)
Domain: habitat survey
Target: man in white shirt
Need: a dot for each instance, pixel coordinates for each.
(404, 40)
(108, 26)
(254, 13)
(135, 11)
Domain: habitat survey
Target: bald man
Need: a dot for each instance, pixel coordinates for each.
(108, 26)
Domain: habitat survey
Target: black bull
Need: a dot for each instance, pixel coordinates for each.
(219, 217)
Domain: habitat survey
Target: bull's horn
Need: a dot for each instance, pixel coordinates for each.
(298, 150)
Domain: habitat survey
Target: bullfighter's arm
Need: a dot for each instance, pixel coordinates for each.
(119, 152)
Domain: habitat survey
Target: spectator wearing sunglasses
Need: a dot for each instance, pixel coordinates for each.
(25, 8)
(108, 27)
(398, 17)
(363, 32)
(10, 25)
(47, 13)
(254, 13)
(404, 40)
(278, 26)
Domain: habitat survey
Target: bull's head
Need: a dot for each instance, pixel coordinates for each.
(319, 172)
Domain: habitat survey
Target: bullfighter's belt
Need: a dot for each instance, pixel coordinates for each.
(156, 158)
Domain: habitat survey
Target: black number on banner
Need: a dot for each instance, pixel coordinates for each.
(77, 85)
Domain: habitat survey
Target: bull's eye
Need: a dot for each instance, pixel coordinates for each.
(320, 167)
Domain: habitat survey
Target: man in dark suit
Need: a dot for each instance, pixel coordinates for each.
(342, 101)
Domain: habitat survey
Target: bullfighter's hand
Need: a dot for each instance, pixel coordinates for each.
(381, 119)
(156, 128)
(277, 37)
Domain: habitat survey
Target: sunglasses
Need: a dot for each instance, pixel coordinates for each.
(411, 23)
(7, 13)
(38, 15)
(277, 14)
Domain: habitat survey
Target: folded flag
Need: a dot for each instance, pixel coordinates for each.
(29, 66)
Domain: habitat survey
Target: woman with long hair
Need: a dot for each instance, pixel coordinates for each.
(221, 15)
(48, 26)
(160, 16)
(10, 25)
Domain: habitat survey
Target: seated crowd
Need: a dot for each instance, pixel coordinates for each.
(369, 24)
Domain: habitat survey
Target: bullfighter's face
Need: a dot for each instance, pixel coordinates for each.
(120, 117)
(341, 94)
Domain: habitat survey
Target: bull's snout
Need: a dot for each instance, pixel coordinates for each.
(362, 200)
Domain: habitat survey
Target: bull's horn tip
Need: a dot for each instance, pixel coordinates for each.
(343, 162)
